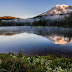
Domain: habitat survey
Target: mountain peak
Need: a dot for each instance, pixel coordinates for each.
(61, 6)
(58, 9)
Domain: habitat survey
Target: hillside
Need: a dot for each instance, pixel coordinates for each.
(66, 22)
(56, 13)
(59, 15)
(8, 18)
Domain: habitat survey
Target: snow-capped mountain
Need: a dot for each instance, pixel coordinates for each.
(58, 9)
(58, 12)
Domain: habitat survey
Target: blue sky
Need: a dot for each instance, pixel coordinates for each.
(28, 8)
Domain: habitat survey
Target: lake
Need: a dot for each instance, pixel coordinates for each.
(41, 41)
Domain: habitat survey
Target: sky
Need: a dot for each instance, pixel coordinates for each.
(28, 8)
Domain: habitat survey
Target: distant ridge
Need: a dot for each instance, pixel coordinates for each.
(8, 18)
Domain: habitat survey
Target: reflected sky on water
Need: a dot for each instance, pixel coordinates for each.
(36, 40)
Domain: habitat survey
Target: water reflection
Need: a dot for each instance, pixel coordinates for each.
(30, 44)
(56, 35)
(36, 40)
(59, 39)
(66, 32)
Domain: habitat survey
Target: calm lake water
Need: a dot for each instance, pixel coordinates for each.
(36, 40)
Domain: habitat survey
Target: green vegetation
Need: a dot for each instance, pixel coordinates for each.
(14, 24)
(20, 54)
(13, 63)
(67, 22)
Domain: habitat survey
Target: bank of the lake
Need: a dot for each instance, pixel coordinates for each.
(19, 63)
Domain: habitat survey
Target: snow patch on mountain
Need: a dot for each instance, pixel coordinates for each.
(58, 9)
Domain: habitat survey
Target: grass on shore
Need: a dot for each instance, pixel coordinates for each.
(19, 63)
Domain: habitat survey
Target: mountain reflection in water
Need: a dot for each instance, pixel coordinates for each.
(59, 39)
(36, 40)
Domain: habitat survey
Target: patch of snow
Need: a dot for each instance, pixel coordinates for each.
(58, 9)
